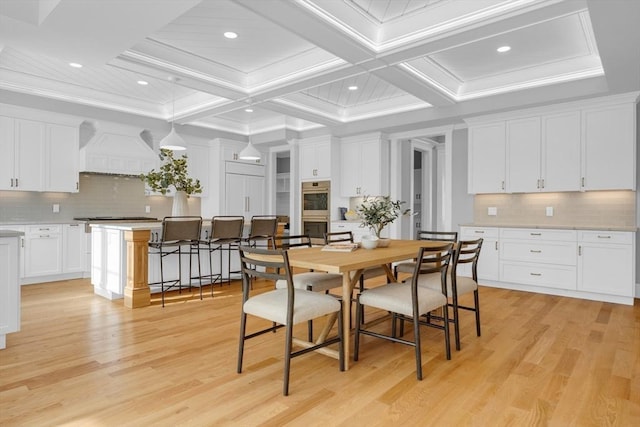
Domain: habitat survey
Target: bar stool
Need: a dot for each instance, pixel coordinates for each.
(263, 230)
(226, 235)
(178, 232)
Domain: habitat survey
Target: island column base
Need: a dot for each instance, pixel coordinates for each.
(137, 293)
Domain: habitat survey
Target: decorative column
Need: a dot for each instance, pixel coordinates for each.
(137, 293)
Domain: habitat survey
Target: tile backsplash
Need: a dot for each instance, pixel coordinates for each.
(99, 195)
(591, 208)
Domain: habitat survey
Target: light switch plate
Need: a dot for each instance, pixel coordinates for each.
(492, 211)
(147, 209)
(56, 208)
(549, 210)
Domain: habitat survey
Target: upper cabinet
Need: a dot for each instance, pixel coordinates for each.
(364, 166)
(38, 156)
(609, 139)
(573, 147)
(487, 154)
(315, 160)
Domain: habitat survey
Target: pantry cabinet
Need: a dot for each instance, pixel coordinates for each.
(244, 190)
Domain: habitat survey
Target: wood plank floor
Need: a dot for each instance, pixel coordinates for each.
(81, 360)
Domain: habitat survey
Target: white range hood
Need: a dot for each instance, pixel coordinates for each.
(112, 148)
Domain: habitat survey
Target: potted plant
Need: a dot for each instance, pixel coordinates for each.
(377, 212)
(173, 173)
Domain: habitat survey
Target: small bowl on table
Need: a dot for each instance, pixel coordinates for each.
(369, 242)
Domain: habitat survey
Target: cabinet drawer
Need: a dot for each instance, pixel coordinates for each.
(538, 234)
(563, 253)
(621, 237)
(469, 233)
(44, 229)
(551, 276)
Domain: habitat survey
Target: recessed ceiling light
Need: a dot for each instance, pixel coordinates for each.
(230, 35)
(142, 82)
(353, 87)
(503, 49)
(249, 110)
(75, 65)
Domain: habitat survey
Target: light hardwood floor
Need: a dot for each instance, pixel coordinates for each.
(81, 360)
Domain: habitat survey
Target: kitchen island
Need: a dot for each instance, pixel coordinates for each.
(9, 283)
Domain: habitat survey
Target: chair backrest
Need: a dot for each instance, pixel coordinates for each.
(227, 227)
(181, 229)
(263, 226)
(447, 236)
(268, 264)
(289, 242)
(468, 251)
(433, 260)
(338, 236)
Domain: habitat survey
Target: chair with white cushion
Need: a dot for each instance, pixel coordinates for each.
(445, 236)
(285, 307)
(468, 252)
(315, 281)
(408, 301)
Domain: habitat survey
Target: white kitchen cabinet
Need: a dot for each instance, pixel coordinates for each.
(43, 250)
(21, 229)
(61, 159)
(489, 260)
(353, 227)
(244, 189)
(609, 148)
(364, 167)
(315, 160)
(524, 153)
(487, 158)
(73, 247)
(561, 147)
(606, 262)
(9, 287)
(22, 145)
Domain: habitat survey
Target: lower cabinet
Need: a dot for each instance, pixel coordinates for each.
(590, 264)
(606, 262)
(9, 287)
(43, 250)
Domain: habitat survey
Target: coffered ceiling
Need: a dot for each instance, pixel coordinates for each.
(339, 65)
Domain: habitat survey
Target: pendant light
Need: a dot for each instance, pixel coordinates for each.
(249, 152)
(173, 141)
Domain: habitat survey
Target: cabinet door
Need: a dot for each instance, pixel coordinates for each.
(606, 268)
(523, 140)
(61, 159)
(9, 288)
(370, 169)
(245, 195)
(487, 157)
(29, 154)
(323, 160)
(561, 152)
(43, 254)
(609, 148)
(315, 161)
(73, 248)
(7, 159)
(254, 191)
(350, 165)
(489, 260)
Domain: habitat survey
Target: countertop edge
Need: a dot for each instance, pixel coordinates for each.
(554, 227)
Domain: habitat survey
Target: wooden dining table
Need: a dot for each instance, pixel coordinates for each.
(351, 265)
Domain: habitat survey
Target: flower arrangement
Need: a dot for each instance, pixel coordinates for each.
(173, 172)
(377, 212)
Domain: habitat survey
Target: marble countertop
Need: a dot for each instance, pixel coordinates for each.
(553, 227)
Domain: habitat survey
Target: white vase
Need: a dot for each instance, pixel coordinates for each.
(180, 204)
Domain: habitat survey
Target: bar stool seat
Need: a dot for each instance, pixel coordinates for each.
(226, 235)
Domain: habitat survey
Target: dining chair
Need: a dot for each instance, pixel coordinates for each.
(180, 236)
(467, 252)
(225, 236)
(445, 236)
(314, 281)
(285, 307)
(409, 302)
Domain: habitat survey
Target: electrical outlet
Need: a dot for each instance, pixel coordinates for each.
(493, 211)
(147, 209)
(549, 210)
(56, 208)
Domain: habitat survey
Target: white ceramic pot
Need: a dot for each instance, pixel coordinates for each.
(180, 204)
(369, 242)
